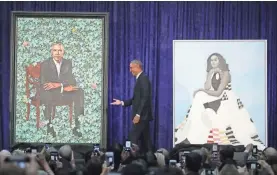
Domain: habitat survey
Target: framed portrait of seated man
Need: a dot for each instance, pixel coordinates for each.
(59, 77)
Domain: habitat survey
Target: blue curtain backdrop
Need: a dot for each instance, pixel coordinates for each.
(145, 30)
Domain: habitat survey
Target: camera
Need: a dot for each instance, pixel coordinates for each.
(110, 159)
(215, 155)
(172, 163)
(209, 172)
(54, 156)
(128, 145)
(96, 149)
(182, 158)
(31, 150)
(47, 145)
(19, 161)
(255, 150)
(253, 164)
(215, 148)
(159, 151)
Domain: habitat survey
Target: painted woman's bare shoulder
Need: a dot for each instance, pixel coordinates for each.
(227, 76)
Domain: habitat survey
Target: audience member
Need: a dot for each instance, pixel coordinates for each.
(132, 162)
(169, 171)
(193, 163)
(133, 169)
(3, 155)
(11, 169)
(94, 166)
(228, 165)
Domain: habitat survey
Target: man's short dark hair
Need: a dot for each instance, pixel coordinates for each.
(169, 171)
(133, 169)
(193, 161)
(94, 166)
(227, 152)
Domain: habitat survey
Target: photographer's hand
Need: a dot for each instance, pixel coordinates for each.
(72, 160)
(32, 167)
(43, 163)
(266, 167)
(124, 155)
(105, 170)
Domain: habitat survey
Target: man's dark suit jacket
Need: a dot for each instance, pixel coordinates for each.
(48, 73)
(142, 99)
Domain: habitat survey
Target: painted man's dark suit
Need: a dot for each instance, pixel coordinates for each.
(52, 97)
(141, 105)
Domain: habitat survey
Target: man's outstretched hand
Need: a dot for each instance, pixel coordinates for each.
(70, 88)
(49, 86)
(116, 102)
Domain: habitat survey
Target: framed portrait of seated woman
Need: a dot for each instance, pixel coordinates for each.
(220, 92)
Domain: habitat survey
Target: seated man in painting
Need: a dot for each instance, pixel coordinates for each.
(58, 85)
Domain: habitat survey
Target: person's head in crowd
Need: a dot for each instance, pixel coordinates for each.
(265, 168)
(94, 166)
(198, 151)
(151, 159)
(193, 162)
(135, 150)
(64, 168)
(164, 152)
(117, 149)
(228, 163)
(169, 171)
(99, 154)
(135, 147)
(203, 158)
(269, 153)
(229, 170)
(227, 153)
(88, 156)
(133, 169)
(3, 155)
(206, 155)
(270, 156)
(153, 170)
(160, 159)
(126, 157)
(11, 169)
(142, 163)
(18, 152)
(65, 152)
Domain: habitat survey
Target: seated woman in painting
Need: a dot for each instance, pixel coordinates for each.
(217, 115)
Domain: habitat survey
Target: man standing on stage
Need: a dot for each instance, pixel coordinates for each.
(142, 106)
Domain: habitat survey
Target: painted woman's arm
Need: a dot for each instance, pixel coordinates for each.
(208, 82)
(223, 83)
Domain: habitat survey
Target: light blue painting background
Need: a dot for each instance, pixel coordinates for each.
(247, 64)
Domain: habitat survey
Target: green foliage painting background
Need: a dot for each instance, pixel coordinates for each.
(83, 43)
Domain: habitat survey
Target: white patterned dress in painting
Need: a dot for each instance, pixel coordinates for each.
(222, 120)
